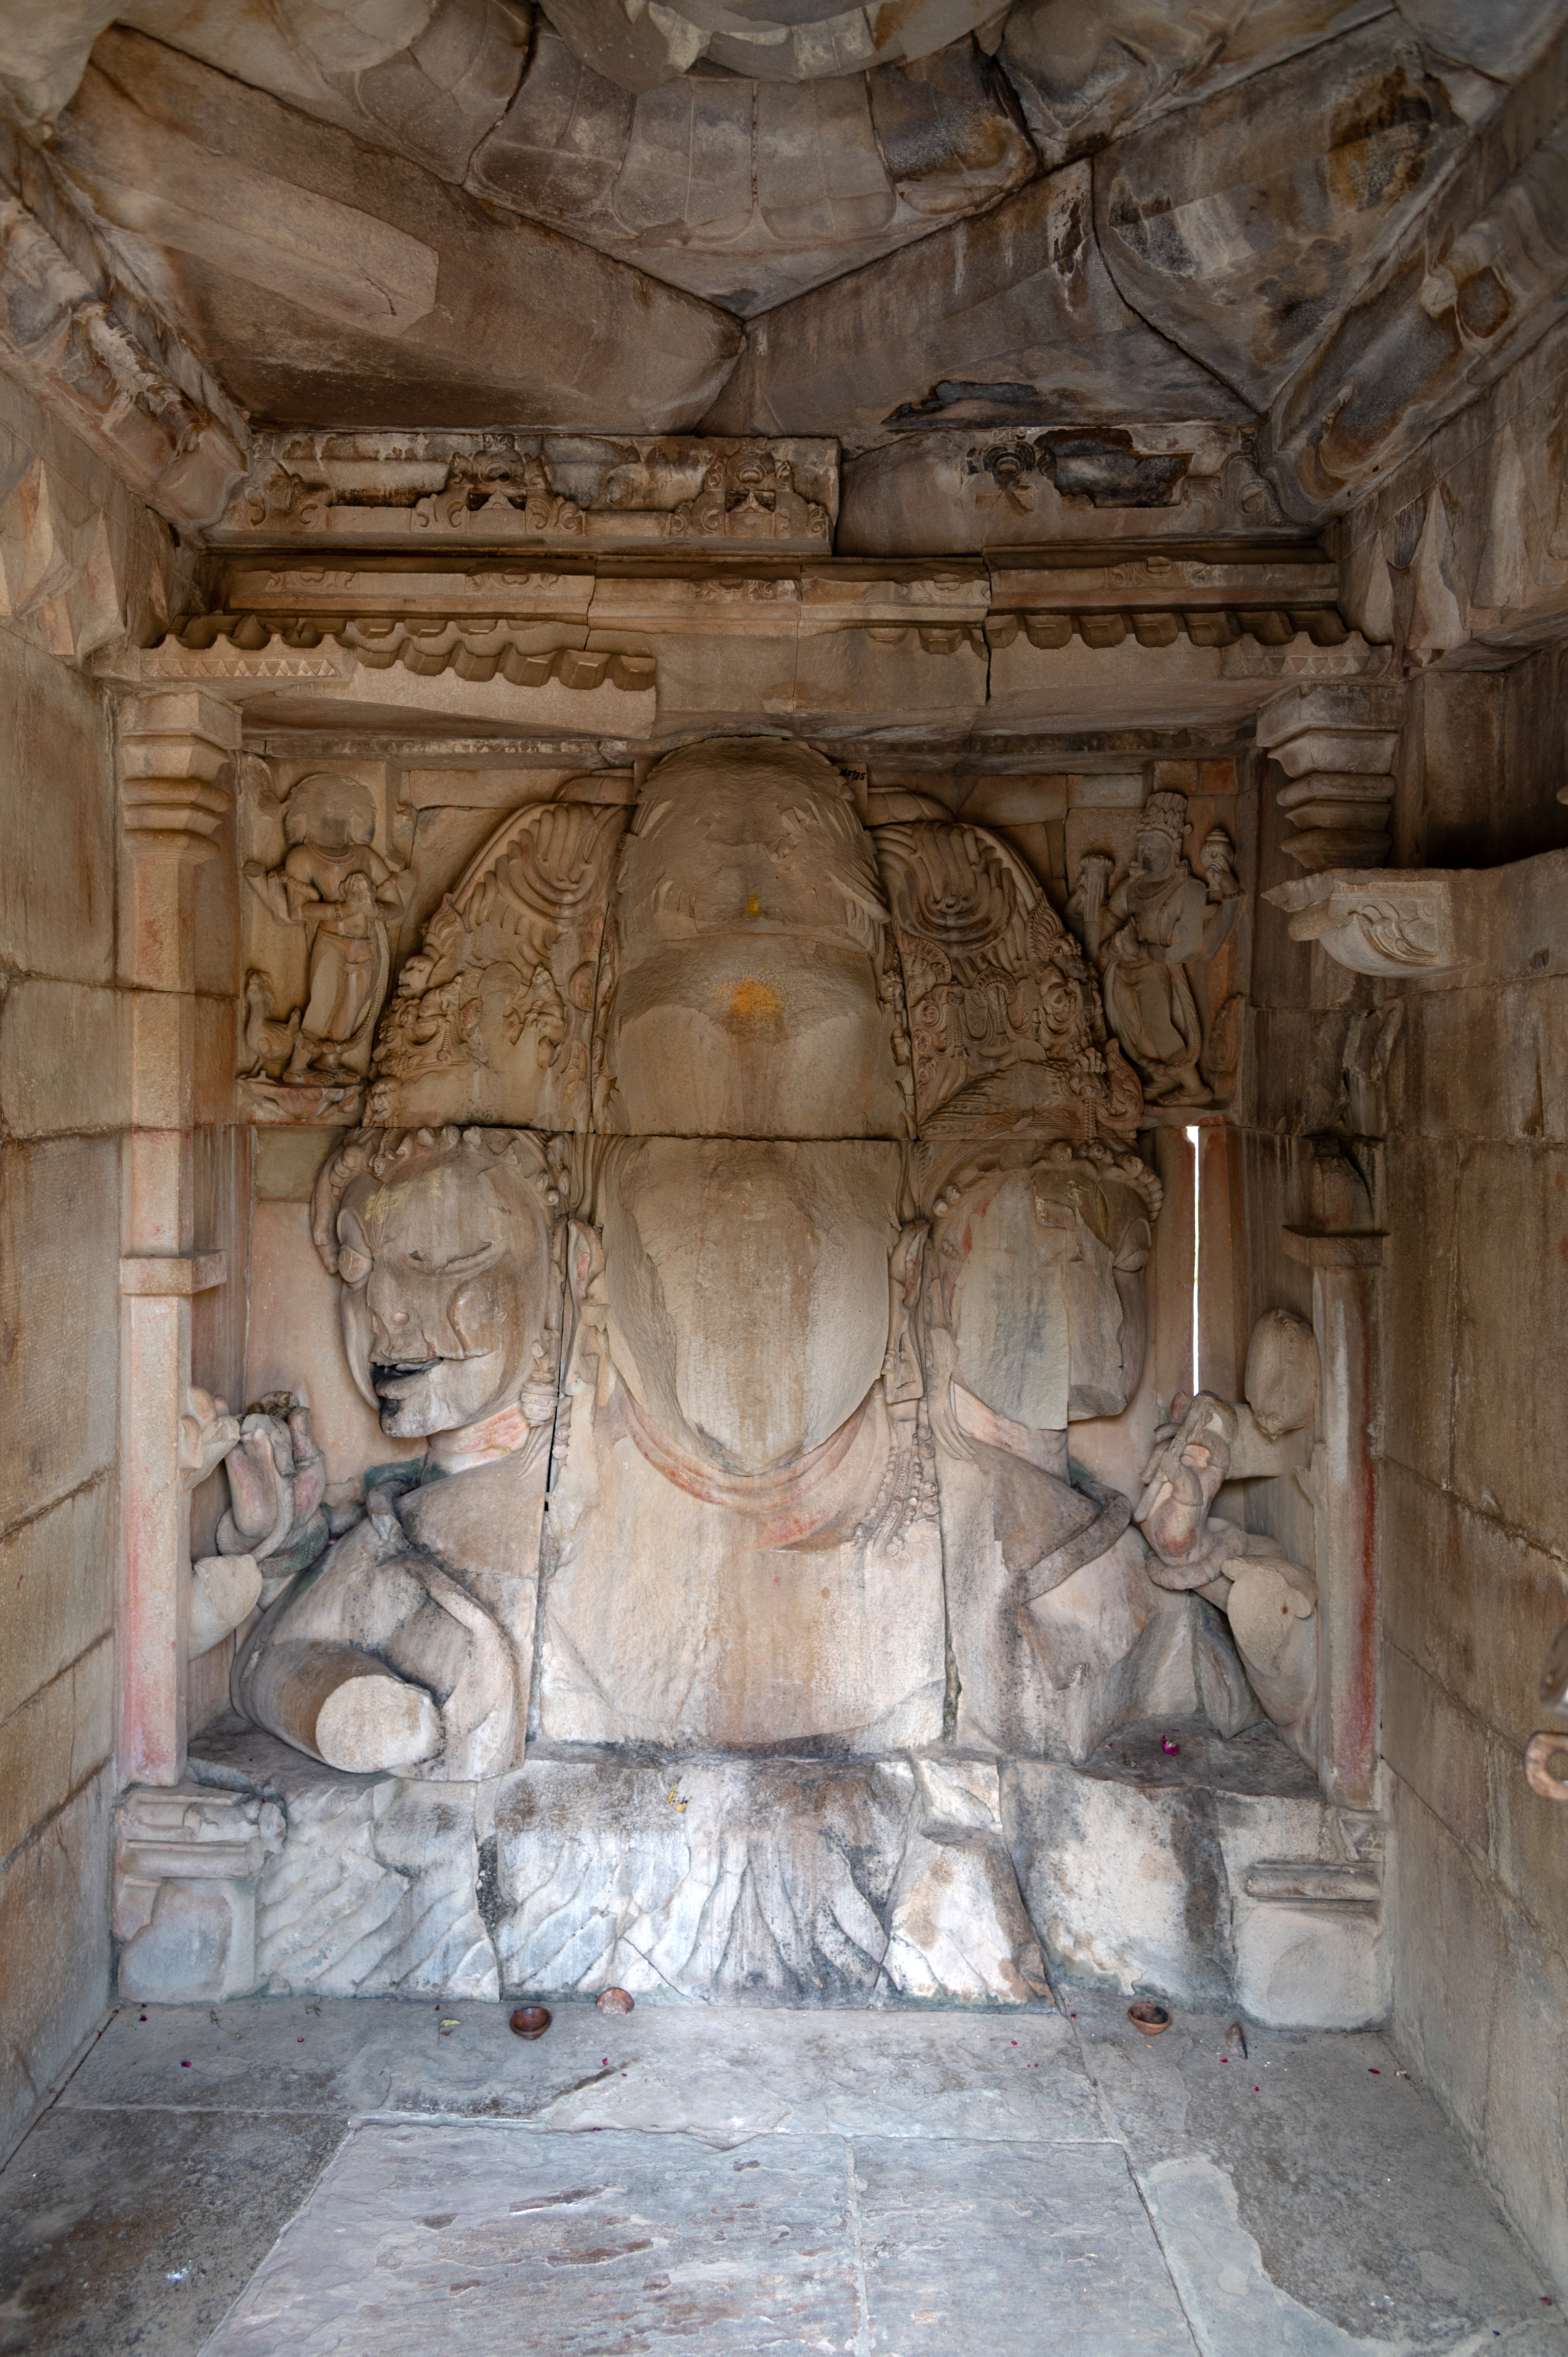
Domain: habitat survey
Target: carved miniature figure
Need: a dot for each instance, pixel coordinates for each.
(1144, 929)
(1272, 1603)
(335, 884)
(410, 1647)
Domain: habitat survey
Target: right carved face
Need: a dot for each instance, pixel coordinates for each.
(444, 1267)
(1042, 1277)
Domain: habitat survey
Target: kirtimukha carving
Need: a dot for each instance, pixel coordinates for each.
(492, 1017)
(749, 986)
(412, 1646)
(1145, 928)
(1006, 1021)
(337, 887)
(1272, 1603)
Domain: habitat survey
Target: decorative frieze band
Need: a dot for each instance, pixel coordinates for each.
(567, 490)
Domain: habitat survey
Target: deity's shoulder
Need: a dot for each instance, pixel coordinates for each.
(482, 1525)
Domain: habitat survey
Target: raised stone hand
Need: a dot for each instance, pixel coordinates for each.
(275, 1523)
(207, 1433)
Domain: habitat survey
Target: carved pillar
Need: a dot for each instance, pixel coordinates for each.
(172, 749)
(1342, 1483)
(1337, 743)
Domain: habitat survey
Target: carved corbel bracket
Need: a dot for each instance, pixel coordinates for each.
(172, 748)
(1371, 922)
(1337, 745)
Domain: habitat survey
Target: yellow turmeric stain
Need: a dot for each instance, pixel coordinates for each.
(755, 1007)
(754, 906)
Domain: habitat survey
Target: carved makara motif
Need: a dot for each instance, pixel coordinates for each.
(492, 1016)
(1145, 928)
(1377, 922)
(513, 487)
(1007, 1028)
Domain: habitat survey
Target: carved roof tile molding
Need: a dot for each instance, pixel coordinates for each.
(1337, 745)
(620, 647)
(508, 673)
(1477, 279)
(594, 493)
(94, 351)
(1450, 929)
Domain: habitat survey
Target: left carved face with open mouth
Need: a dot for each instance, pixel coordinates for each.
(442, 1275)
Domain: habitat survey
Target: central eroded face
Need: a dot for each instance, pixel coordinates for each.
(750, 934)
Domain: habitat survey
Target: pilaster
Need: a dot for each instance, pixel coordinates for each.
(173, 752)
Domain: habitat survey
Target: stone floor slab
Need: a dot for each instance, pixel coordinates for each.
(722, 2073)
(499, 2239)
(135, 2230)
(1010, 2249)
(496, 2240)
(1323, 2156)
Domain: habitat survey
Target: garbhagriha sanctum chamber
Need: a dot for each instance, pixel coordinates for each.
(784, 1177)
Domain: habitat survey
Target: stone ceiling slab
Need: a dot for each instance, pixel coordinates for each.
(1241, 227)
(427, 77)
(746, 191)
(322, 278)
(1473, 283)
(1013, 316)
(1085, 70)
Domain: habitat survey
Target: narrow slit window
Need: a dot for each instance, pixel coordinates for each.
(1192, 1137)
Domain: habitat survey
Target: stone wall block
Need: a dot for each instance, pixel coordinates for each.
(57, 1590)
(54, 1951)
(59, 1255)
(212, 1058)
(64, 1056)
(1511, 1198)
(1481, 2006)
(1529, 1841)
(1446, 1071)
(1471, 1604)
(1439, 1750)
(1421, 1268)
(57, 816)
(54, 1742)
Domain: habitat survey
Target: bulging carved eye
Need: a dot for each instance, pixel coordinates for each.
(353, 1265)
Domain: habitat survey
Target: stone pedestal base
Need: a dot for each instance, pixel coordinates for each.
(1215, 1876)
(1218, 1876)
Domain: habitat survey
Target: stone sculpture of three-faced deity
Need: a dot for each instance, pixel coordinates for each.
(750, 1297)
